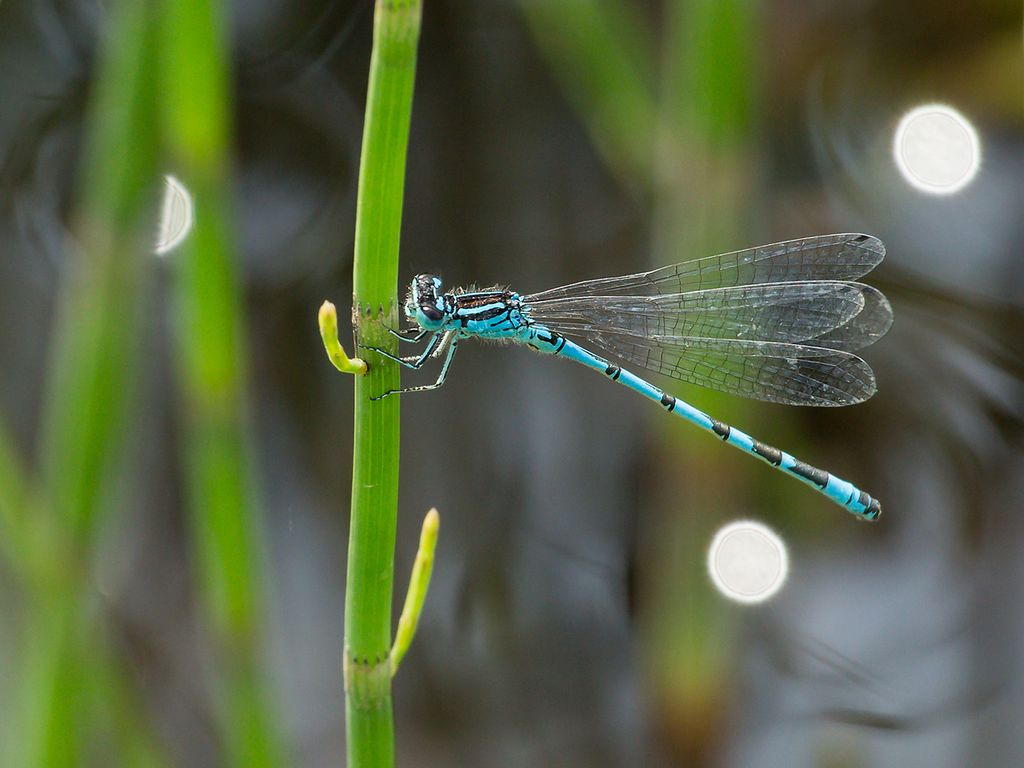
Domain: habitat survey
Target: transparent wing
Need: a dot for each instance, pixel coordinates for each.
(779, 372)
(778, 322)
(865, 328)
(833, 314)
(824, 257)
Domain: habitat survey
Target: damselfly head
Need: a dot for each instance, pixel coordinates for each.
(425, 304)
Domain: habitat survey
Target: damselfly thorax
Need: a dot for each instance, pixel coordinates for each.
(491, 314)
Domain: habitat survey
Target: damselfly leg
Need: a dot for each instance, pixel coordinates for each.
(412, 361)
(447, 339)
(417, 334)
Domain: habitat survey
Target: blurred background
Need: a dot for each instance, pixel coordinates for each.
(174, 501)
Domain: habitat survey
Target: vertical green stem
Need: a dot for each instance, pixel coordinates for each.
(699, 125)
(15, 544)
(211, 350)
(375, 462)
(701, 205)
(92, 376)
(601, 54)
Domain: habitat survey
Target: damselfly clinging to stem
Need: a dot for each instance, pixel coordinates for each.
(779, 323)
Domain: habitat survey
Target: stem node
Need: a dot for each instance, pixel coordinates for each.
(367, 682)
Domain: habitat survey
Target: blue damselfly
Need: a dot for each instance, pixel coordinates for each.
(779, 323)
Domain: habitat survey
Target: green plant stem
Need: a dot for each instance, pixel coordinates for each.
(117, 705)
(698, 124)
(375, 462)
(91, 378)
(15, 544)
(704, 152)
(211, 350)
(600, 53)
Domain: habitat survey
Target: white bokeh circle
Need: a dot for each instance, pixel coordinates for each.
(936, 149)
(747, 561)
(176, 216)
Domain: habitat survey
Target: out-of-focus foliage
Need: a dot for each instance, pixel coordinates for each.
(570, 621)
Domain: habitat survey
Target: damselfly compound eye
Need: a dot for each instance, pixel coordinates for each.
(431, 313)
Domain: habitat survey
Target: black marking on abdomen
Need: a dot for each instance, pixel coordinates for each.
(817, 476)
(721, 429)
(556, 341)
(874, 510)
(614, 371)
(669, 402)
(872, 507)
(771, 454)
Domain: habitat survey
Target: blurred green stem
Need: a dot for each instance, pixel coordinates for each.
(698, 126)
(600, 53)
(95, 351)
(375, 462)
(211, 348)
(701, 205)
(14, 541)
